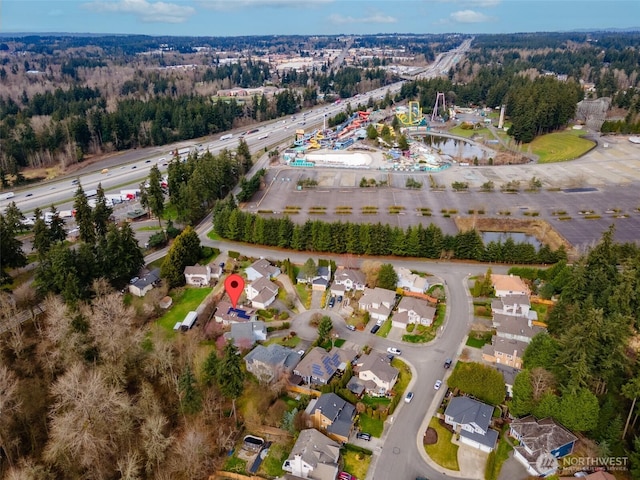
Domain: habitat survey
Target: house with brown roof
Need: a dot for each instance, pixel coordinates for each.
(318, 366)
(504, 351)
(226, 314)
(413, 310)
(509, 285)
(376, 373)
(378, 302)
(537, 438)
(261, 292)
(197, 275)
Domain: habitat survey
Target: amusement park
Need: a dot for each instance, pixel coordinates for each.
(371, 140)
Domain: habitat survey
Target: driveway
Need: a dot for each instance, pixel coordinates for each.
(472, 462)
(512, 470)
(316, 299)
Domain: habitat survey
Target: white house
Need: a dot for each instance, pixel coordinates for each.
(351, 279)
(197, 275)
(145, 283)
(313, 456)
(261, 268)
(411, 281)
(378, 302)
(413, 310)
(262, 292)
(376, 373)
(471, 419)
(516, 305)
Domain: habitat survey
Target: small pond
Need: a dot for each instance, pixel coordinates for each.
(458, 149)
(517, 237)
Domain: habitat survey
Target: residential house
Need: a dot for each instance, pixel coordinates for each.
(145, 283)
(471, 420)
(509, 375)
(350, 278)
(216, 271)
(318, 366)
(319, 281)
(504, 351)
(413, 310)
(245, 335)
(378, 302)
(509, 285)
(227, 315)
(515, 328)
(269, 363)
(411, 281)
(313, 456)
(538, 437)
(261, 268)
(333, 415)
(261, 292)
(516, 305)
(197, 275)
(376, 373)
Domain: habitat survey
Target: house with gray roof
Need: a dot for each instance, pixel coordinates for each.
(197, 275)
(515, 328)
(261, 292)
(508, 375)
(269, 363)
(333, 415)
(471, 420)
(349, 278)
(319, 281)
(245, 335)
(261, 268)
(504, 351)
(145, 283)
(540, 437)
(313, 456)
(515, 304)
(376, 373)
(378, 302)
(413, 310)
(318, 366)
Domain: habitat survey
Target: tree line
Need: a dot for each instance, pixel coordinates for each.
(370, 239)
(583, 372)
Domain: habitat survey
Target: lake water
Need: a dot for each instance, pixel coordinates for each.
(458, 149)
(517, 237)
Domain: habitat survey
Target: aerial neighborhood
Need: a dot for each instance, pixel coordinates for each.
(322, 256)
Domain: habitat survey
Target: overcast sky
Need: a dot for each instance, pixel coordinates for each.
(308, 17)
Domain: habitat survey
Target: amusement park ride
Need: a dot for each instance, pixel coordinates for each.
(414, 117)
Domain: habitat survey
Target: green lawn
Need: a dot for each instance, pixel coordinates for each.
(375, 401)
(542, 311)
(170, 212)
(404, 377)
(272, 465)
(560, 146)
(184, 300)
(458, 130)
(356, 463)
(478, 339)
(213, 235)
(371, 425)
(444, 453)
(385, 328)
(291, 342)
(303, 293)
(234, 464)
(150, 228)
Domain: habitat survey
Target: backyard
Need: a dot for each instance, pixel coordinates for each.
(443, 452)
(356, 461)
(184, 301)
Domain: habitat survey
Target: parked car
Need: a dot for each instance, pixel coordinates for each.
(351, 327)
(363, 436)
(447, 363)
(394, 351)
(437, 385)
(346, 476)
(339, 298)
(408, 397)
(332, 302)
(375, 329)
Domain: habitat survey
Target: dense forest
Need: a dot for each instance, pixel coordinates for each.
(584, 371)
(371, 239)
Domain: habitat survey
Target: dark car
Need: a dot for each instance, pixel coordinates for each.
(447, 363)
(363, 436)
(332, 302)
(339, 298)
(375, 329)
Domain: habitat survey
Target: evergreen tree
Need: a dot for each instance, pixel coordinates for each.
(84, 217)
(57, 233)
(185, 251)
(101, 213)
(387, 277)
(231, 383)
(11, 254)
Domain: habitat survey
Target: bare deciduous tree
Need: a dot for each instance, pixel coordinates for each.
(541, 382)
(371, 269)
(9, 404)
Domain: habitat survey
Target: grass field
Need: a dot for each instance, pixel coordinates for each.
(356, 463)
(444, 453)
(458, 130)
(183, 302)
(371, 425)
(560, 146)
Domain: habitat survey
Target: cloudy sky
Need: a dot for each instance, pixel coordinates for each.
(265, 17)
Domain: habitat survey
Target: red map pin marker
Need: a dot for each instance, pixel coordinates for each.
(234, 285)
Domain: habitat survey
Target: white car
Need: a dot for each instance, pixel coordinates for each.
(394, 351)
(437, 385)
(408, 397)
